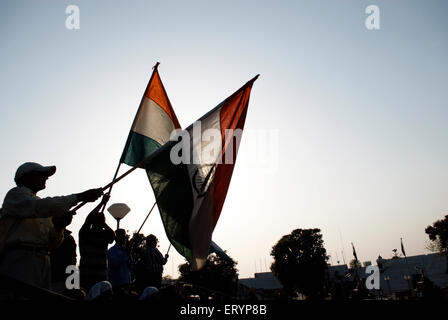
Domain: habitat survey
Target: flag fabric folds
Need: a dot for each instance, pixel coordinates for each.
(190, 194)
(153, 123)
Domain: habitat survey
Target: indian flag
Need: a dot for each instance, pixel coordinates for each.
(190, 175)
(153, 123)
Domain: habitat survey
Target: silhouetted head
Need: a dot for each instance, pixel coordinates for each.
(33, 175)
(151, 241)
(101, 291)
(120, 236)
(150, 293)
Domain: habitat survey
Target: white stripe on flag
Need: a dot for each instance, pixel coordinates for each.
(206, 147)
(153, 122)
(200, 151)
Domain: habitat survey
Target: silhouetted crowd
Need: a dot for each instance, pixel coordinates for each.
(37, 252)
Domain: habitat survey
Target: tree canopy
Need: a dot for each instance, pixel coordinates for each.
(217, 274)
(354, 264)
(300, 262)
(438, 233)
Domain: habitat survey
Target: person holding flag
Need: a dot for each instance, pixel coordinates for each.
(154, 262)
(94, 237)
(30, 226)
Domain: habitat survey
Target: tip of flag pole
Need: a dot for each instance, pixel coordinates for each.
(253, 79)
(157, 64)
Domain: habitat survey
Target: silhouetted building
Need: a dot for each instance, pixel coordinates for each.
(265, 285)
(400, 278)
(396, 274)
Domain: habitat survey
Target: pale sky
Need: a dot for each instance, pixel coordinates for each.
(360, 115)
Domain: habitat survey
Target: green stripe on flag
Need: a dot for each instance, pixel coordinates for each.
(172, 189)
(137, 148)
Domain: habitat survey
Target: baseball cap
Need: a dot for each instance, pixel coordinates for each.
(28, 167)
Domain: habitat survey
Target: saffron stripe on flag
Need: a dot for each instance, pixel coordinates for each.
(153, 124)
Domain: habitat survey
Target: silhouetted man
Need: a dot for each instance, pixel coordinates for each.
(154, 262)
(94, 237)
(30, 226)
(119, 263)
(61, 258)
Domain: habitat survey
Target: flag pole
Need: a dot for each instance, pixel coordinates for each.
(168, 249)
(355, 255)
(409, 278)
(141, 102)
(110, 188)
(138, 165)
(146, 217)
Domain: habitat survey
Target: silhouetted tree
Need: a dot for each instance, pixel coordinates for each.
(354, 264)
(395, 254)
(300, 262)
(217, 274)
(438, 234)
